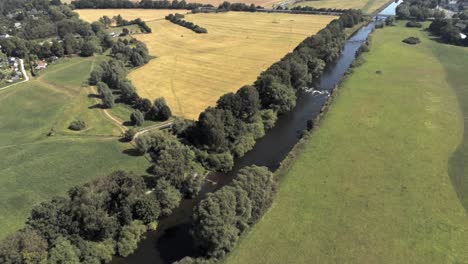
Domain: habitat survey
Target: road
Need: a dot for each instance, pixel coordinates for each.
(26, 77)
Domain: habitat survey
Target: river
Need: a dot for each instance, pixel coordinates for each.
(172, 240)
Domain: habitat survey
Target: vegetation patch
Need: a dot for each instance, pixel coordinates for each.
(413, 24)
(367, 6)
(178, 19)
(412, 40)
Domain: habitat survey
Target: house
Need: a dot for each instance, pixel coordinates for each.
(5, 36)
(17, 25)
(40, 65)
(462, 36)
(12, 60)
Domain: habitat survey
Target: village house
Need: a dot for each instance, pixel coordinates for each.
(40, 65)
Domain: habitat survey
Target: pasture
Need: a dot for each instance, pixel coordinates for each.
(91, 15)
(383, 178)
(367, 6)
(193, 70)
(35, 167)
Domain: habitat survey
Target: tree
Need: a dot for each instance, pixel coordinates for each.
(106, 21)
(87, 49)
(260, 186)
(98, 252)
(137, 118)
(129, 238)
(64, 252)
(77, 125)
(106, 95)
(129, 134)
(220, 218)
(25, 246)
(57, 49)
(136, 59)
(168, 196)
(160, 110)
(147, 209)
(275, 95)
(69, 44)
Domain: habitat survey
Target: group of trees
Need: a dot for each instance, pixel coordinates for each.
(419, 10)
(227, 6)
(113, 84)
(96, 221)
(121, 22)
(178, 19)
(221, 217)
(148, 4)
(314, 9)
(173, 161)
(132, 53)
(43, 19)
(445, 28)
(448, 32)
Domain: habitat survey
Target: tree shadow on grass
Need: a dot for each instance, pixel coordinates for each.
(132, 152)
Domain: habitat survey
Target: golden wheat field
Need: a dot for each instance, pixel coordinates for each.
(92, 15)
(193, 70)
(367, 6)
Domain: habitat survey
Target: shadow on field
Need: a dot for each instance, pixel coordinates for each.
(455, 65)
(132, 152)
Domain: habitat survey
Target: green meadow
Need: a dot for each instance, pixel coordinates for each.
(35, 167)
(383, 178)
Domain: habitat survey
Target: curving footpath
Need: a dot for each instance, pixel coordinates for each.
(26, 77)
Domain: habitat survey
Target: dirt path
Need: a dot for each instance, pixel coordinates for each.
(147, 129)
(26, 77)
(109, 116)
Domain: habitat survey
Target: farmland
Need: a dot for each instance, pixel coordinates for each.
(193, 70)
(35, 167)
(92, 15)
(383, 179)
(367, 6)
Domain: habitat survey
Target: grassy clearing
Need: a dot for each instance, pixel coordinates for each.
(367, 6)
(34, 167)
(375, 182)
(193, 70)
(92, 15)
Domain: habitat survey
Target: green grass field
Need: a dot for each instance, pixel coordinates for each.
(382, 180)
(34, 167)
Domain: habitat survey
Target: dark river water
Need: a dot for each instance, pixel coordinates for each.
(172, 240)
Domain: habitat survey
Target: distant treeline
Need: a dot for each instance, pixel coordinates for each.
(313, 9)
(178, 19)
(147, 4)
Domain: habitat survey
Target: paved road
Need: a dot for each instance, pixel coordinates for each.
(26, 78)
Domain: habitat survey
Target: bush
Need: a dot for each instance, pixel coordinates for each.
(413, 24)
(129, 135)
(137, 118)
(77, 125)
(412, 40)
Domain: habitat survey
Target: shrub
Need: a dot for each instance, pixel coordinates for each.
(129, 135)
(412, 40)
(413, 24)
(137, 118)
(77, 125)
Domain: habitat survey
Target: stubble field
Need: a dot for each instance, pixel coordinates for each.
(193, 70)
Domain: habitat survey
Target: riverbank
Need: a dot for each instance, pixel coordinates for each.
(372, 184)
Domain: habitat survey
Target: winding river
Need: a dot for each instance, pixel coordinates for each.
(172, 240)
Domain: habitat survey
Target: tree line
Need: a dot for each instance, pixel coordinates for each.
(147, 4)
(96, 221)
(110, 77)
(178, 19)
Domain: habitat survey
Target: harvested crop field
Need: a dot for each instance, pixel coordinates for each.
(92, 15)
(193, 70)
